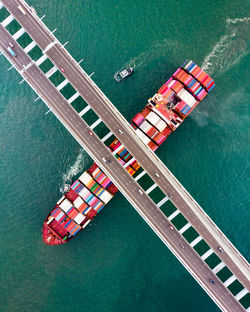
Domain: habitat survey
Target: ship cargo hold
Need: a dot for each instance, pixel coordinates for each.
(162, 115)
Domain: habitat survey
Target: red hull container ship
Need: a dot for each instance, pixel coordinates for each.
(163, 114)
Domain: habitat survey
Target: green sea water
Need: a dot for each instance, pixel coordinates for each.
(118, 263)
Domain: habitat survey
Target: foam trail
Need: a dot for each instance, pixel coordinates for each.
(146, 57)
(74, 169)
(231, 47)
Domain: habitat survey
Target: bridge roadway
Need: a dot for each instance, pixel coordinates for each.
(129, 187)
(93, 96)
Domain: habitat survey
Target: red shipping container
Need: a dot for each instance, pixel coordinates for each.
(152, 145)
(179, 74)
(91, 213)
(177, 87)
(196, 71)
(145, 112)
(163, 89)
(166, 131)
(175, 73)
(201, 76)
(160, 138)
(73, 213)
(152, 132)
(112, 189)
(180, 106)
(92, 168)
(71, 195)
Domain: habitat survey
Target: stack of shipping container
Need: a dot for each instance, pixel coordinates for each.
(163, 114)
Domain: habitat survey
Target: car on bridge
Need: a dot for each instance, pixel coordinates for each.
(12, 53)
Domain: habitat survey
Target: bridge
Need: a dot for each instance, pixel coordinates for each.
(152, 166)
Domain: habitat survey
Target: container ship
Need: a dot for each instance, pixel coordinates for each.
(162, 115)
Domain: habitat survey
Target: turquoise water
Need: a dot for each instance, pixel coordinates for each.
(118, 263)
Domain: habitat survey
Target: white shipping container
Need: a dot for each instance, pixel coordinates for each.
(79, 218)
(85, 178)
(186, 97)
(139, 133)
(142, 136)
(105, 197)
(160, 125)
(65, 205)
(146, 140)
(153, 118)
(145, 126)
(83, 192)
(77, 203)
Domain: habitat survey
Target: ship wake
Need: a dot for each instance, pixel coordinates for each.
(229, 50)
(156, 51)
(74, 169)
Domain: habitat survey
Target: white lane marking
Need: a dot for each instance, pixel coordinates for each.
(173, 215)
(108, 135)
(196, 241)
(140, 175)
(91, 74)
(230, 280)
(8, 20)
(162, 202)
(84, 111)
(96, 123)
(129, 162)
(207, 254)
(19, 33)
(241, 294)
(218, 267)
(73, 97)
(184, 228)
(151, 188)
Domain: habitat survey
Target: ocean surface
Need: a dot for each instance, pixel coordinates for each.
(118, 263)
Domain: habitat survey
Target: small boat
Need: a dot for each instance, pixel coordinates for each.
(67, 185)
(119, 76)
